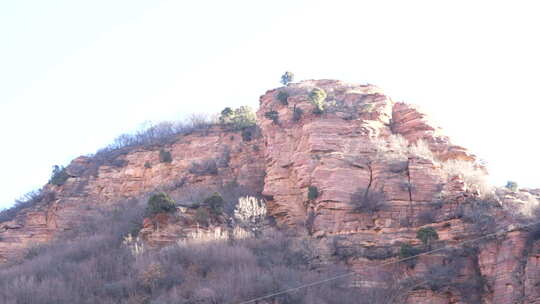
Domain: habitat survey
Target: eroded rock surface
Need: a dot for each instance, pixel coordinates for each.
(95, 183)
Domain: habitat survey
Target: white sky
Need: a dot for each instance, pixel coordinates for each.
(75, 74)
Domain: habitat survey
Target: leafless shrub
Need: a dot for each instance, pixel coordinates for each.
(474, 177)
(421, 149)
(398, 166)
(224, 158)
(297, 114)
(343, 250)
(157, 134)
(407, 186)
(480, 213)
(93, 265)
(370, 201)
(309, 222)
(205, 167)
(427, 217)
(150, 276)
(392, 148)
(438, 203)
(28, 200)
(446, 276)
(405, 222)
(147, 136)
(534, 221)
(75, 269)
(520, 204)
(250, 212)
(199, 121)
(396, 150)
(439, 278)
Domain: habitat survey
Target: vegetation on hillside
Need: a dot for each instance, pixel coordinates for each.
(104, 261)
(368, 201)
(273, 116)
(94, 265)
(238, 119)
(59, 176)
(283, 97)
(512, 186)
(160, 203)
(427, 235)
(313, 193)
(26, 201)
(317, 97)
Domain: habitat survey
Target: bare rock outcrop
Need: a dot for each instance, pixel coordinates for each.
(338, 153)
(95, 182)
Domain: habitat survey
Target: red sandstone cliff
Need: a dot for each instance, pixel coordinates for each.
(363, 144)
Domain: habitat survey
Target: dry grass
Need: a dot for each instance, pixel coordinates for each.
(368, 201)
(421, 149)
(202, 236)
(396, 147)
(392, 148)
(250, 213)
(474, 177)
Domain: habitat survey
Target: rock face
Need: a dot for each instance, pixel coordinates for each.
(362, 177)
(140, 172)
(339, 153)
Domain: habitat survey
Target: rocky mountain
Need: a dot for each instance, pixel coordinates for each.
(371, 183)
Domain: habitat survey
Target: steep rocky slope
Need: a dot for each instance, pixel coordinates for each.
(337, 153)
(378, 171)
(95, 182)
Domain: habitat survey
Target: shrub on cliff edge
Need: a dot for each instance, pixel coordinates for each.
(317, 97)
(205, 167)
(368, 201)
(160, 203)
(512, 186)
(272, 115)
(427, 235)
(215, 202)
(238, 119)
(409, 253)
(28, 200)
(59, 176)
(287, 78)
(165, 156)
(282, 96)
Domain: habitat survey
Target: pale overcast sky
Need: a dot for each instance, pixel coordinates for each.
(75, 74)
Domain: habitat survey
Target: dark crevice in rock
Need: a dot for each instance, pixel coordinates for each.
(370, 169)
(409, 188)
(408, 173)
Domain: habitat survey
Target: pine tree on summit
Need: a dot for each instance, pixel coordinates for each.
(287, 78)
